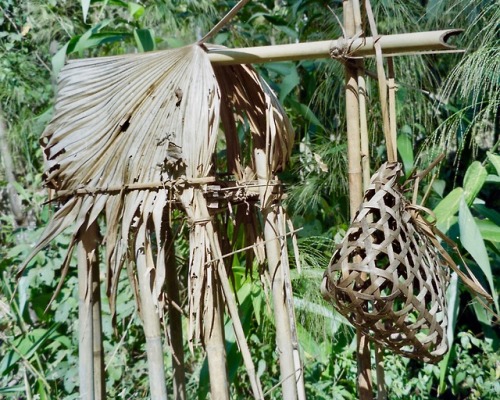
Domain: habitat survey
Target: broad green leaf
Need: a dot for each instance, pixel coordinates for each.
(58, 59)
(489, 230)
(492, 215)
(447, 208)
(471, 239)
(289, 82)
(492, 179)
(495, 161)
(136, 10)
(307, 114)
(474, 180)
(144, 39)
(26, 345)
(85, 9)
(405, 149)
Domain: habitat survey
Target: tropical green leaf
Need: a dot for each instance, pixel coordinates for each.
(136, 10)
(489, 230)
(495, 161)
(447, 208)
(145, 40)
(474, 180)
(473, 242)
(405, 149)
(85, 8)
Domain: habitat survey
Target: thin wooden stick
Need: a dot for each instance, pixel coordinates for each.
(224, 21)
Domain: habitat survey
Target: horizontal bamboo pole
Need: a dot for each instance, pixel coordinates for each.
(401, 44)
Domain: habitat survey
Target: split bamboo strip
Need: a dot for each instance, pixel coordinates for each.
(400, 44)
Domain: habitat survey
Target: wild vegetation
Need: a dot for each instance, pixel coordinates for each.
(444, 104)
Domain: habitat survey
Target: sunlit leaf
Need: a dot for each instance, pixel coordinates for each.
(447, 208)
(474, 179)
(471, 239)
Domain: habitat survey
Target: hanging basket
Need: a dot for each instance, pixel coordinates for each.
(388, 278)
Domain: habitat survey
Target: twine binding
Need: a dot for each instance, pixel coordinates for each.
(388, 278)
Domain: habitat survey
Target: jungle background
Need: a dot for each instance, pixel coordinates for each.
(445, 103)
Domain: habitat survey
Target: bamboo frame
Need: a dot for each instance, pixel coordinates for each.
(391, 45)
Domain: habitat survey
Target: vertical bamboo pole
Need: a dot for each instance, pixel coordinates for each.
(299, 368)
(98, 356)
(213, 337)
(175, 320)
(86, 259)
(274, 248)
(355, 185)
(150, 316)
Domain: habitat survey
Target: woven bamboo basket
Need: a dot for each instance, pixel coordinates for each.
(387, 277)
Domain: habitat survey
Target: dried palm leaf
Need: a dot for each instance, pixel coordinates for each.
(123, 121)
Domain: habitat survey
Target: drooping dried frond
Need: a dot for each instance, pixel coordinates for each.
(246, 98)
(124, 128)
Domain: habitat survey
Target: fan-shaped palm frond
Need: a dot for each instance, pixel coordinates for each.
(131, 136)
(122, 132)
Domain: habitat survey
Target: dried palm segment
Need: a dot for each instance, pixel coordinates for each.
(388, 278)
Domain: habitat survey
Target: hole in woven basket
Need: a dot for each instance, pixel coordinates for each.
(389, 200)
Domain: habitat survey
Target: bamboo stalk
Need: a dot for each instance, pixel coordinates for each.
(175, 319)
(363, 124)
(213, 338)
(299, 369)
(150, 317)
(355, 185)
(98, 353)
(85, 255)
(391, 45)
(274, 249)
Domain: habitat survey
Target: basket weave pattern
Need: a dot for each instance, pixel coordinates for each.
(387, 278)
